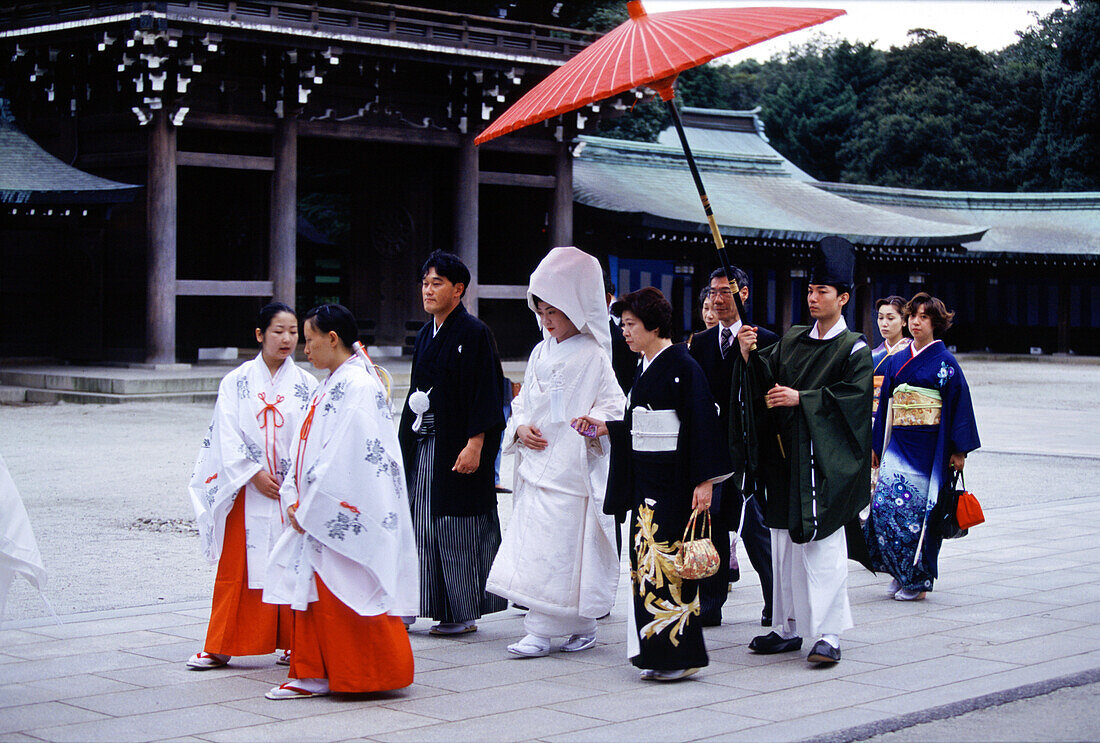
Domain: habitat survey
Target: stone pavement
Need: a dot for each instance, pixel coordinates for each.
(1017, 608)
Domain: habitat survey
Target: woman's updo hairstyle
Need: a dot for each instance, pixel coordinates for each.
(334, 318)
(268, 313)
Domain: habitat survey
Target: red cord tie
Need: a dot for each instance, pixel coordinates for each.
(277, 421)
(303, 437)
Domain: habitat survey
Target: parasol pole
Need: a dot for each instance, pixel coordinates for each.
(718, 241)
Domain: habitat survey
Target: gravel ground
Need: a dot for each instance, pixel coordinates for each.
(105, 486)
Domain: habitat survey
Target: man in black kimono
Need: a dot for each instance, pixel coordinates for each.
(717, 351)
(450, 433)
(809, 399)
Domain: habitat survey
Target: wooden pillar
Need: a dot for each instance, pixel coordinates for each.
(561, 216)
(864, 302)
(1063, 315)
(160, 214)
(466, 207)
(783, 287)
(283, 242)
(982, 328)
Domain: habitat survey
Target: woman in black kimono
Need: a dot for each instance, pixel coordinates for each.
(665, 456)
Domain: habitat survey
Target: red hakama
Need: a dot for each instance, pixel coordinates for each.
(240, 622)
(355, 653)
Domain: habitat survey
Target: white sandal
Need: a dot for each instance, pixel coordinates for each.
(290, 691)
(531, 646)
(205, 661)
(284, 659)
(577, 643)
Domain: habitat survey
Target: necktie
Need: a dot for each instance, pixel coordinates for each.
(724, 342)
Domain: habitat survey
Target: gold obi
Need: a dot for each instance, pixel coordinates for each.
(878, 388)
(915, 406)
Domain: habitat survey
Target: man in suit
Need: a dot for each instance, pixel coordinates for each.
(716, 350)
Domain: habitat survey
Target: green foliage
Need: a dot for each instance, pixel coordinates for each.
(931, 114)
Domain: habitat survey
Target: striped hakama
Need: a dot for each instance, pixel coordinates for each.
(455, 552)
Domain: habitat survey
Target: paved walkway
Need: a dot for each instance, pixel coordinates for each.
(1018, 606)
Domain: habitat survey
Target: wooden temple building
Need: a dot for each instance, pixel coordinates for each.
(224, 153)
(226, 113)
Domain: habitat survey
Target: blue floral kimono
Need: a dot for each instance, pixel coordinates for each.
(925, 415)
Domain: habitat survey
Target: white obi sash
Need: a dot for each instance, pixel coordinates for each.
(654, 430)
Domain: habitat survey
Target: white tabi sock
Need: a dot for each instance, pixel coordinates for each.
(313, 686)
(833, 640)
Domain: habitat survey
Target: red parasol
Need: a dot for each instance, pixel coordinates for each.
(651, 50)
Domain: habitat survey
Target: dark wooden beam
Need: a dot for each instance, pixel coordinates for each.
(221, 160)
(364, 132)
(211, 288)
(527, 180)
(230, 122)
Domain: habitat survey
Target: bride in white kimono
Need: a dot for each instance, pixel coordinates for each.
(558, 556)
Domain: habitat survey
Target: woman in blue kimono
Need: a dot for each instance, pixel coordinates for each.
(924, 428)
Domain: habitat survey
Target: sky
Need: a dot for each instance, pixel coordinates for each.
(986, 24)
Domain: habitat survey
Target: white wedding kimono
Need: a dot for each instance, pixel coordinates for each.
(349, 483)
(558, 556)
(18, 549)
(255, 426)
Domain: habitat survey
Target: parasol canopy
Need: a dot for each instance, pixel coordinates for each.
(650, 50)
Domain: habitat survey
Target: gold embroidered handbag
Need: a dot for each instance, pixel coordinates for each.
(697, 558)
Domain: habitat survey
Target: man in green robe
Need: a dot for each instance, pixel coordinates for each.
(808, 406)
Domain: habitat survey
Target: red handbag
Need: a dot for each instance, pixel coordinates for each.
(969, 511)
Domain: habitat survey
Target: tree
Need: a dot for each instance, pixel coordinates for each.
(1065, 152)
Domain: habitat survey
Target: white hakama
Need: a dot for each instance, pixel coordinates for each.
(810, 594)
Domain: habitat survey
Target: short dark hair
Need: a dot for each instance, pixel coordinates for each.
(608, 284)
(334, 317)
(267, 314)
(649, 306)
(449, 266)
(934, 308)
(704, 295)
(739, 277)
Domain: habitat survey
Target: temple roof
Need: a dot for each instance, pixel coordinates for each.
(30, 175)
(1062, 223)
(756, 192)
(753, 190)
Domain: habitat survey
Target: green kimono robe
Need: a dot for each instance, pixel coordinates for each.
(815, 459)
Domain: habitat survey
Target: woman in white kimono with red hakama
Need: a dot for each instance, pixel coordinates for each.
(558, 557)
(235, 490)
(348, 564)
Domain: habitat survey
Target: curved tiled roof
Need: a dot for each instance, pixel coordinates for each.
(30, 175)
(1048, 223)
(752, 194)
(756, 192)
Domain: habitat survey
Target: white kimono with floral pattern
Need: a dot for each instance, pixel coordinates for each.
(349, 483)
(255, 426)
